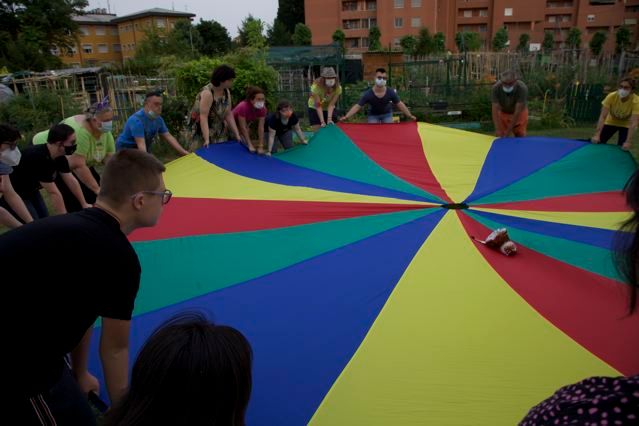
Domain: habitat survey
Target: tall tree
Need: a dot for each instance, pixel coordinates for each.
(302, 35)
(29, 29)
(215, 38)
(549, 42)
(290, 13)
(408, 44)
(424, 42)
(278, 35)
(467, 41)
(184, 40)
(374, 34)
(524, 43)
(251, 33)
(439, 42)
(622, 39)
(573, 41)
(597, 42)
(500, 40)
(340, 38)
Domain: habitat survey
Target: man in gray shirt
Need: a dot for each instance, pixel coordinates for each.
(510, 110)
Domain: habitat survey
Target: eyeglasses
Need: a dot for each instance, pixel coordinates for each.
(166, 195)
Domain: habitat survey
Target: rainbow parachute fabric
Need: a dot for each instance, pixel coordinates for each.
(349, 266)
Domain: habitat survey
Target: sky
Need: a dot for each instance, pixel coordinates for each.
(228, 13)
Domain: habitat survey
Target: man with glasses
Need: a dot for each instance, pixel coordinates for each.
(10, 157)
(619, 113)
(510, 106)
(39, 167)
(380, 100)
(62, 273)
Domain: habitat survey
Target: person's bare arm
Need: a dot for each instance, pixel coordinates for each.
(402, 106)
(495, 110)
(114, 353)
(13, 199)
(206, 101)
(244, 131)
(318, 108)
(230, 121)
(260, 131)
(331, 108)
(55, 196)
(351, 112)
(634, 120)
(596, 138)
(78, 165)
(174, 143)
(80, 365)
(300, 134)
(74, 186)
(271, 140)
(141, 144)
(519, 108)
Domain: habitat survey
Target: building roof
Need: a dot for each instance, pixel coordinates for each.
(91, 18)
(157, 11)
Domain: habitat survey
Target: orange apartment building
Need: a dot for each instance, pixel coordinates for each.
(107, 39)
(397, 18)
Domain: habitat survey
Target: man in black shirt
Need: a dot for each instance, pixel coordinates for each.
(280, 126)
(65, 272)
(39, 167)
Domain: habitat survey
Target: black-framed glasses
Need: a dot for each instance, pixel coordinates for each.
(166, 195)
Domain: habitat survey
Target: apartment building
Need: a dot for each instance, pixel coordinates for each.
(107, 39)
(397, 18)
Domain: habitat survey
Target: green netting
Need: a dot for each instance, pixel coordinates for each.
(305, 55)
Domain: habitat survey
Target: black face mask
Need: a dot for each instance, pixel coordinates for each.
(68, 150)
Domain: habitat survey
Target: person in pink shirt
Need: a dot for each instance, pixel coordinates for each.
(249, 111)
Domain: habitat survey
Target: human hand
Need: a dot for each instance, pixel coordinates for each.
(267, 153)
(343, 119)
(87, 383)
(323, 124)
(626, 146)
(595, 139)
(412, 117)
(206, 143)
(87, 206)
(304, 142)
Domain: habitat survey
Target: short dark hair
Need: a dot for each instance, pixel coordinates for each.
(59, 133)
(252, 92)
(8, 133)
(189, 372)
(222, 73)
(382, 70)
(152, 93)
(631, 81)
(283, 104)
(128, 172)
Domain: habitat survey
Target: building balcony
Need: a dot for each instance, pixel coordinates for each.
(356, 32)
(559, 10)
(461, 20)
(358, 14)
(551, 25)
(473, 4)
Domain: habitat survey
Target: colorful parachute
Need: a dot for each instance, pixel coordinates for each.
(350, 267)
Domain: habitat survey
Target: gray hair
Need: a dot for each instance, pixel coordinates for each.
(508, 75)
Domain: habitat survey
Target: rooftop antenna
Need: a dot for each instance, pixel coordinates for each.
(108, 6)
(173, 6)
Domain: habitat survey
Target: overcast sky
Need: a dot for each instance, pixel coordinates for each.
(228, 13)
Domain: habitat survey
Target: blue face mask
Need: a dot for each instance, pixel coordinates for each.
(106, 126)
(152, 115)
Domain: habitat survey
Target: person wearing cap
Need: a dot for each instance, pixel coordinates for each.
(380, 100)
(142, 127)
(510, 110)
(95, 145)
(325, 92)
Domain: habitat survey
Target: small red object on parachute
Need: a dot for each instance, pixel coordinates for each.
(499, 240)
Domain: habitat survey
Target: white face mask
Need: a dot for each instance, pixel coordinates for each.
(623, 92)
(259, 105)
(106, 126)
(380, 82)
(508, 89)
(10, 157)
(330, 83)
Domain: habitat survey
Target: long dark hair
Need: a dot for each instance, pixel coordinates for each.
(627, 241)
(189, 373)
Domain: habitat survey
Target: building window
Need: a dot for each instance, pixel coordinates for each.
(483, 12)
(103, 48)
(100, 31)
(148, 23)
(349, 6)
(552, 18)
(399, 4)
(172, 25)
(84, 31)
(365, 42)
(87, 48)
(415, 3)
(590, 18)
(117, 48)
(508, 11)
(369, 22)
(351, 24)
(371, 5)
(114, 31)
(74, 50)
(160, 23)
(483, 28)
(399, 22)
(468, 13)
(137, 26)
(630, 21)
(351, 42)
(396, 41)
(416, 22)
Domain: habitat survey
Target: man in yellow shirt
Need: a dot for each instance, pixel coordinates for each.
(619, 113)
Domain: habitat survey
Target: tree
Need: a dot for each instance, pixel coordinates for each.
(622, 39)
(549, 42)
(524, 43)
(215, 38)
(278, 35)
(302, 35)
(290, 13)
(500, 40)
(425, 44)
(251, 33)
(597, 42)
(340, 38)
(408, 44)
(467, 41)
(184, 41)
(374, 34)
(29, 29)
(439, 42)
(573, 40)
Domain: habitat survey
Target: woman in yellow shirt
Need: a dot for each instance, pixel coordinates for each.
(619, 113)
(325, 92)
